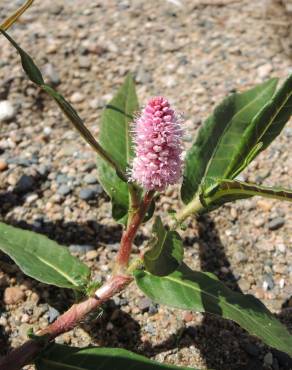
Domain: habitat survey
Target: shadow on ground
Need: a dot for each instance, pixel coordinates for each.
(214, 337)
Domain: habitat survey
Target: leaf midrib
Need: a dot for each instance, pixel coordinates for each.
(72, 281)
(179, 282)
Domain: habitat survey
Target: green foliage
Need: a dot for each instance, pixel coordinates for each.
(231, 190)
(166, 250)
(115, 137)
(218, 139)
(43, 259)
(61, 357)
(239, 129)
(203, 292)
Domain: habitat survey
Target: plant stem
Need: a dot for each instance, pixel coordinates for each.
(194, 207)
(26, 353)
(136, 218)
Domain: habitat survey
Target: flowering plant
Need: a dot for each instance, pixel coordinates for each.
(137, 159)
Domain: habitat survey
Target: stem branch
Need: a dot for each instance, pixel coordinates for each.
(26, 353)
(136, 218)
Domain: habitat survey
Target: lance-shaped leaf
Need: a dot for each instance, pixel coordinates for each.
(267, 124)
(60, 357)
(166, 250)
(28, 64)
(203, 292)
(231, 190)
(115, 137)
(218, 140)
(43, 259)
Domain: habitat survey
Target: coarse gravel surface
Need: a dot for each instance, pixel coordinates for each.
(194, 53)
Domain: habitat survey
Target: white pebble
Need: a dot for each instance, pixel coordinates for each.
(7, 111)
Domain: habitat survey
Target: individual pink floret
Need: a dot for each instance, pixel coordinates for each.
(158, 146)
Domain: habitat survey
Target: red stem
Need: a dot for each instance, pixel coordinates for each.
(26, 353)
(131, 231)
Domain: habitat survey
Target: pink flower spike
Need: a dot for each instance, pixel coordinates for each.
(158, 146)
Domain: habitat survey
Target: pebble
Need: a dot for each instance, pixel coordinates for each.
(53, 314)
(264, 70)
(90, 179)
(64, 190)
(240, 257)
(268, 359)
(3, 165)
(81, 249)
(91, 255)
(7, 111)
(268, 283)
(50, 72)
(144, 304)
(25, 184)
(13, 295)
(89, 193)
(276, 223)
(77, 97)
(30, 198)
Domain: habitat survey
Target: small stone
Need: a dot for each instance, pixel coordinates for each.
(89, 193)
(25, 318)
(13, 295)
(47, 131)
(51, 74)
(77, 97)
(265, 205)
(188, 317)
(143, 76)
(90, 179)
(259, 222)
(268, 359)
(96, 104)
(240, 257)
(152, 309)
(144, 304)
(268, 283)
(276, 223)
(251, 349)
(25, 184)
(109, 326)
(264, 70)
(30, 198)
(84, 62)
(7, 111)
(282, 283)
(91, 255)
(281, 248)
(64, 190)
(81, 249)
(53, 314)
(3, 165)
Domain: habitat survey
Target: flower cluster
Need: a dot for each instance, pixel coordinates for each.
(158, 146)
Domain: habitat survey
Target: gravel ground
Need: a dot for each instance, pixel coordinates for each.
(193, 52)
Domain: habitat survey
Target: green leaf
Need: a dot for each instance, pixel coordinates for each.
(203, 292)
(115, 137)
(231, 190)
(28, 64)
(268, 123)
(166, 252)
(219, 138)
(67, 358)
(43, 259)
